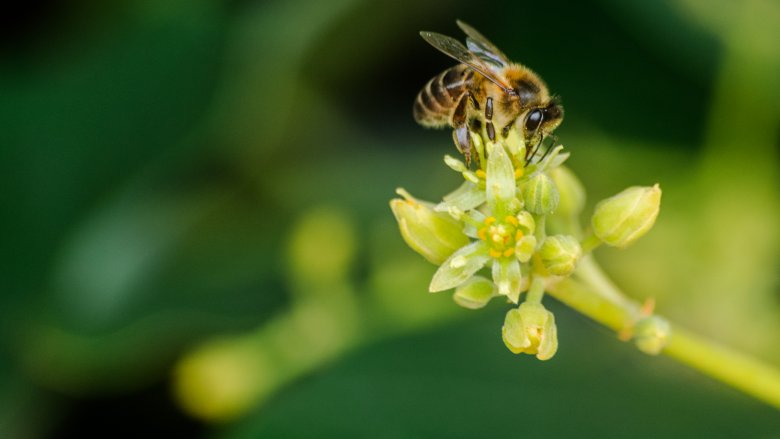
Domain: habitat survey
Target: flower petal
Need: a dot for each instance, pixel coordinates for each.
(500, 180)
(476, 217)
(513, 332)
(549, 344)
(475, 293)
(432, 234)
(525, 248)
(459, 267)
(508, 278)
(466, 197)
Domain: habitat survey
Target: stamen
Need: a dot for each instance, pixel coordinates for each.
(494, 253)
(482, 233)
(480, 173)
(509, 252)
(511, 220)
(490, 220)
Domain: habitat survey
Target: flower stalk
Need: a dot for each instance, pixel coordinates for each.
(748, 374)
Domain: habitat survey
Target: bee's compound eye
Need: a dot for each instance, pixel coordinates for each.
(533, 120)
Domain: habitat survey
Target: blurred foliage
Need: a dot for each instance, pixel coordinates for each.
(180, 180)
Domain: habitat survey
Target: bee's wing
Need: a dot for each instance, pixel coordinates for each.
(482, 47)
(452, 47)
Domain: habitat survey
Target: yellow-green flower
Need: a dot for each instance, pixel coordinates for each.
(503, 232)
(530, 329)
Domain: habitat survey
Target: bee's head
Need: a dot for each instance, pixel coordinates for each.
(541, 121)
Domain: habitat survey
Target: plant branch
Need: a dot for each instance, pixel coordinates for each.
(596, 297)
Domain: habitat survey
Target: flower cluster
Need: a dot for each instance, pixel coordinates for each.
(495, 223)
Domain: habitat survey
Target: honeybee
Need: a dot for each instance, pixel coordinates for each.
(486, 94)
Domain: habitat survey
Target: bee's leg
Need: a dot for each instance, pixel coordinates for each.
(491, 130)
(461, 133)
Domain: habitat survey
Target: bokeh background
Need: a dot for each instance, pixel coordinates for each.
(196, 239)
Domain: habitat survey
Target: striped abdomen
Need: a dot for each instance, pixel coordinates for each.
(437, 100)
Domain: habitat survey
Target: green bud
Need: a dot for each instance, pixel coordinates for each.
(560, 254)
(475, 293)
(530, 329)
(572, 193)
(651, 334)
(434, 235)
(540, 194)
(622, 219)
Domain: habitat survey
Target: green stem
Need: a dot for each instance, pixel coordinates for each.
(590, 272)
(590, 242)
(540, 233)
(587, 301)
(536, 291)
(727, 365)
(594, 297)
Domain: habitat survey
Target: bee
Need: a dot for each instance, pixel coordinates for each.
(486, 94)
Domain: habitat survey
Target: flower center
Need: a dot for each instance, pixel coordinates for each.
(501, 236)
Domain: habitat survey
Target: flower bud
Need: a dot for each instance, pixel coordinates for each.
(434, 235)
(622, 219)
(651, 334)
(530, 329)
(560, 254)
(572, 193)
(475, 293)
(540, 194)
